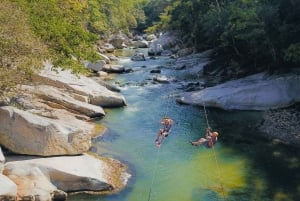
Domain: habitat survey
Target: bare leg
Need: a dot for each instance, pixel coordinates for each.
(159, 137)
(199, 142)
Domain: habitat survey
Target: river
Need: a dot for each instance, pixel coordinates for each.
(241, 167)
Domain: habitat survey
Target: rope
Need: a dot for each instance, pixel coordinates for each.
(220, 175)
(154, 172)
(215, 156)
(157, 155)
(168, 106)
(206, 115)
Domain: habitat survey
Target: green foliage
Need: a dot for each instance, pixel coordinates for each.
(292, 53)
(183, 16)
(157, 14)
(62, 31)
(21, 53)
(245, 34)
(213, 24)
(256, 34)
(70, 28)
(61, 27)
(164, 18)
(97, 22)
(116, 15)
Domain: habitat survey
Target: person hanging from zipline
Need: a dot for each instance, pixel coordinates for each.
(167, 123)
(210, 139)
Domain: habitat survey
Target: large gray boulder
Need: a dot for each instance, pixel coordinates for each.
(105, 58)
(32, 182)
(98, 94)
(185, 52)
(95, 66)
(119, 41)
(155, 49)
(256, 92)
(63, 100)
(44, 177)
(162, 79)
(26, 133)
(114, 68)
(138, 56)
(150, 37)
(107, 47)
(8, 189)
(140, 44)
(168, 40)
(193, 63)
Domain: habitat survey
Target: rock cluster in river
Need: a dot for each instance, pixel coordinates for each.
(283, 125)
(51, 117)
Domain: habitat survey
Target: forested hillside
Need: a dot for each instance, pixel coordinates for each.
(58, 30)
(248, 35)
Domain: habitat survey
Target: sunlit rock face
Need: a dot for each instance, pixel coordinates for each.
(62, 99)
(8, 189)
(98, 94)
(256, 92)
(26, 133)
(52, 177)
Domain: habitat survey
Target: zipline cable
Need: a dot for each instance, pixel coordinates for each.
(154, 172)
(168, 105)
(157, 155)
(215, 156)
(206, 115)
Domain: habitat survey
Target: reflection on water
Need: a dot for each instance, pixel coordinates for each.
(242, 166)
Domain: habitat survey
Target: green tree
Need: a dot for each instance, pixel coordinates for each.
(71, 28)
(288, 34)
(63, 31)
(157, 12)
(21, 53)
(292, 53)
(61, 25)
(244, 33)
(256, 35)
(117, 15)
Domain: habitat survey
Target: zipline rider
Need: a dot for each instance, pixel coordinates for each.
(210, 139)
(167, 123)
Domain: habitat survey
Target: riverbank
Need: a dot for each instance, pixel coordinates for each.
(47, 132)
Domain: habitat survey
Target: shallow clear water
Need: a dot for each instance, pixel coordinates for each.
(241, 167)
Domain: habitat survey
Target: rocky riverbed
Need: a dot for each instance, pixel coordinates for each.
(282, 125)
(48, 126)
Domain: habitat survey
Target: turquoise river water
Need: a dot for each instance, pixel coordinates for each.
(241, 167)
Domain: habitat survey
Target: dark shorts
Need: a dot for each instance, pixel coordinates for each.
(207, 144)
(165, 133)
